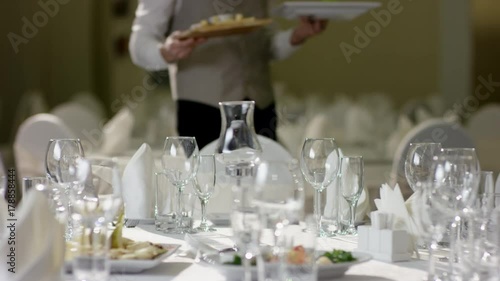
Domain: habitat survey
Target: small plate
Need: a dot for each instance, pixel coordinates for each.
(135, 266)
(340, 11)
(324, 271)
(224, 29)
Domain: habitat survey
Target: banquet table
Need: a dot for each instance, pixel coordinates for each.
(183, 266)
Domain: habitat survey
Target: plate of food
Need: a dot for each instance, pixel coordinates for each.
(331, 264)
(224, 25)
(332, 10)
(131, 257)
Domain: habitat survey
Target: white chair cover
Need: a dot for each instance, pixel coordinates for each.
(31, 103)
(90, 102)
(434, 130)
(83, 122)
(222, 197)
(483, 127)
(31, 143)
(117, 133)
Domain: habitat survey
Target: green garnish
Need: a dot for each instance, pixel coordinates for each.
(237, 261)
(338, 256)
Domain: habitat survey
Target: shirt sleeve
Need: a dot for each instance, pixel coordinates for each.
(281, 46)
(148, 33)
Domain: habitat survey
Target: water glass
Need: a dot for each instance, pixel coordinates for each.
(188, 201)
(165, 212)
(91, 253)
(299, 256)
(33, 182)
(418, 162)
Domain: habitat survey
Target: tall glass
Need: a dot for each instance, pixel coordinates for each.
(60, 156)
(204, 184)
(351, 185)
(418, 162)
(180, 162)
(319, 163)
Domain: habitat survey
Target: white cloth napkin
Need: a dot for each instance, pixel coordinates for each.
(39, 242)
(392, 202)
(117, 132)
(137, 181)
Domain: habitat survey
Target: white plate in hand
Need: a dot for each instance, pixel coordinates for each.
(339, 11)
(136, 265)
(325, 272)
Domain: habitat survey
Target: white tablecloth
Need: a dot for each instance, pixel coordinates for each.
(182, 266)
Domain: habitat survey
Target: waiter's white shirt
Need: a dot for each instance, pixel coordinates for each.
(148, 35)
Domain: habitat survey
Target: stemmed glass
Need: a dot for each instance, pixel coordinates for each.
(180, 160)
(319, 164)
(351, 185)
(204, 184)
(454, 183)
(60, 157)
(418, 162)
(430, 222)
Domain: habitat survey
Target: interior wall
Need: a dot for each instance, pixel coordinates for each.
(401, 59)
(55, 57)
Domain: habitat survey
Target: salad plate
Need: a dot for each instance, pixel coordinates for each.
(134, 265)
(339, 11)
(222, 262)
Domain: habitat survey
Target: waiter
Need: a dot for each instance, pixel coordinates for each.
(205, 72)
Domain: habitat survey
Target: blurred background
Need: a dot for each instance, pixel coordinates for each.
(425, 63)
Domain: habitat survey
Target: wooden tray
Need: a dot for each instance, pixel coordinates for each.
(224, 29)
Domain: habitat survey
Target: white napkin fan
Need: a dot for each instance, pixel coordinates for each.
(31, 142)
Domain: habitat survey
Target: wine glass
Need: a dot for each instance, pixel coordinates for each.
(319, 164)
(57, 150)
(278, 196)
(418, 162)
(351, 185)
(180, 160)
(204, 184)
(430, 222)
(454, 180)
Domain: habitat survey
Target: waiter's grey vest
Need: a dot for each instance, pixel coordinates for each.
(223, 69)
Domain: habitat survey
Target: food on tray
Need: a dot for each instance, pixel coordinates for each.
(222, 20)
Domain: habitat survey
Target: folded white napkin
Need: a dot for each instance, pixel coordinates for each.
(137, 181)
(39, 242)
(117, 133)
(392, 202)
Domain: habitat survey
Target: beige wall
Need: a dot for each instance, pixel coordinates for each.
(401, 61)
(57, 60)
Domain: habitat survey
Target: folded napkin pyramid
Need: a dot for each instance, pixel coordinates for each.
(391, 202)
(117, 133)
(39, 243)
(137, 180)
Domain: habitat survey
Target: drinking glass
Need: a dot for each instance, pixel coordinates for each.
(454, 182)
(319, 163)
(204, 184)
(351, 185)
(278, 197)
(430, 222)
(96, 203)
(180, 162)
(33, 182)
(418, 162)
(60, 157)
(165, 203)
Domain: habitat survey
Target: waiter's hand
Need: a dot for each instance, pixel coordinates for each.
(308, 27)
(175, 49)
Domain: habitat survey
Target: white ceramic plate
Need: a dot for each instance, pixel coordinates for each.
(339, 11)
(324, 271)
(135, 266)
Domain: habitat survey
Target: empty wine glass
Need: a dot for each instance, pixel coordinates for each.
(180, 160)
(351, 185)
(319, 163)
(430, 222)
(56, 150)
(418, 162)
(204, 184)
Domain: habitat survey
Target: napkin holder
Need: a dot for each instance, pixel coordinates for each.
(382, 243)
